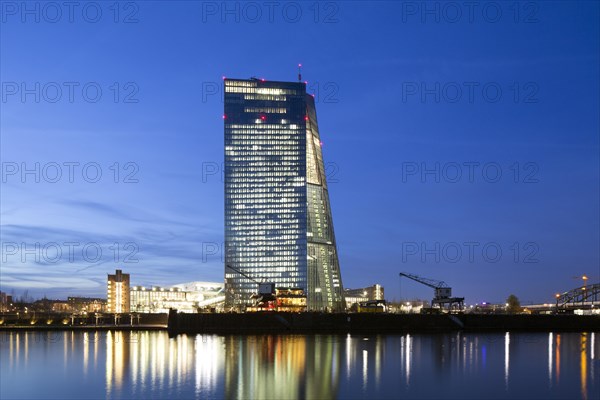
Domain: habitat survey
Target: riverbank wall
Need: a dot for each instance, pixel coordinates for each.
(83, 322)
(373, 323)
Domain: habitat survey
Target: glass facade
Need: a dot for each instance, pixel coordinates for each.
(278, 225)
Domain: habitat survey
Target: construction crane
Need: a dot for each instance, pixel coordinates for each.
(442, 293)
(265, 298)
(263, 287)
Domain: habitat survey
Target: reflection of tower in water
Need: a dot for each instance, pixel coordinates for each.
(282, 367)
(117, 360)
(144, 361)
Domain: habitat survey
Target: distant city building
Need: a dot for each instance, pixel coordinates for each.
(187, 297)
(48, 305)
(59, 306)
(118, 292)
(356, 296)
(5, 302)
(278, 222)
(81, 305)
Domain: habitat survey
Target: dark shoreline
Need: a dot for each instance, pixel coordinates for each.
(307, 323)
(42, 328)
(342, 323)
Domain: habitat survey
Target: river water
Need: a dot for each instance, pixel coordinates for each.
(144, 364)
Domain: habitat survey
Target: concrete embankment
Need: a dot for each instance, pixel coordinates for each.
(52, 322)
(273, 322)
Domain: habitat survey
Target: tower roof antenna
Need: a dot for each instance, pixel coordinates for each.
(299, 72)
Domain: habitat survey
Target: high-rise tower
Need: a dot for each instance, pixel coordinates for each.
(278, 224)
(117, 292)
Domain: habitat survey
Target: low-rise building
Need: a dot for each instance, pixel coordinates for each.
(280, 299)
(187, 297)
(209, 295)
(357, 296)
(290, 299)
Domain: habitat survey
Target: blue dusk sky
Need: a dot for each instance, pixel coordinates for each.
(461, 144)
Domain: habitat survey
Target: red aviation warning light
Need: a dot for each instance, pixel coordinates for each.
(263, 117)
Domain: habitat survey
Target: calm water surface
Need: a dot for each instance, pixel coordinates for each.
(145, 365)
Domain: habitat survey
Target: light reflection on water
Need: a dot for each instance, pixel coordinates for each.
(506, 358)
(149, 364)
